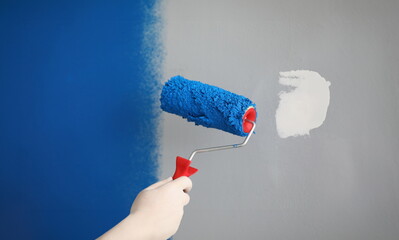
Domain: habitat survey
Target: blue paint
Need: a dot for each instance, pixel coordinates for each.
(205, 105)
(71, 158)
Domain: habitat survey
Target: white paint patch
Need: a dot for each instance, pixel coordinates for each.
(304, 107)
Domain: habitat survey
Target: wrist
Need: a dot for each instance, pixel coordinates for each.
(133, 227)
(140, 226)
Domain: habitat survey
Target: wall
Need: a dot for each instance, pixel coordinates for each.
(341, 181)
(79, 133)
(77, 136)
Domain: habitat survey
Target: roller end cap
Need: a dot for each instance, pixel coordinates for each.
(250, 114)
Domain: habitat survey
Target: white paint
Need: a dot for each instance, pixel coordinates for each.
(304, 107)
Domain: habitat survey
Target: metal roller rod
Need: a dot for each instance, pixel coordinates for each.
(226, 146)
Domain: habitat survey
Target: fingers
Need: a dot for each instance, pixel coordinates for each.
(159, 184)
(184, 183)
(186, 199)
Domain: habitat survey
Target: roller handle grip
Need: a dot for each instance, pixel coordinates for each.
(183, 168)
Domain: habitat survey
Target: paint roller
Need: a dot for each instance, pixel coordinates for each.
(211, 107)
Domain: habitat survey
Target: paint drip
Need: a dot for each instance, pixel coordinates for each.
(304, 106)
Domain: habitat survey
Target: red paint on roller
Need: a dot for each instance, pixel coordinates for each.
(183, 168)
(250, 114)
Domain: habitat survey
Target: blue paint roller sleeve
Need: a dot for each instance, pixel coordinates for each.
(207, 105)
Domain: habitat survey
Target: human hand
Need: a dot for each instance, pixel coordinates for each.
(160, 206)
(156, 212)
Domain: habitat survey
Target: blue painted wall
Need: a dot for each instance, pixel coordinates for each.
(71, 156)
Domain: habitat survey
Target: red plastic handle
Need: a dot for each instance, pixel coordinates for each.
(183, 168)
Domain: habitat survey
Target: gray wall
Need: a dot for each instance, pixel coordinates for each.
(342, 181)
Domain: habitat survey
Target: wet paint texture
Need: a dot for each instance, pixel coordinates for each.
(205, 105)
(72, 154)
